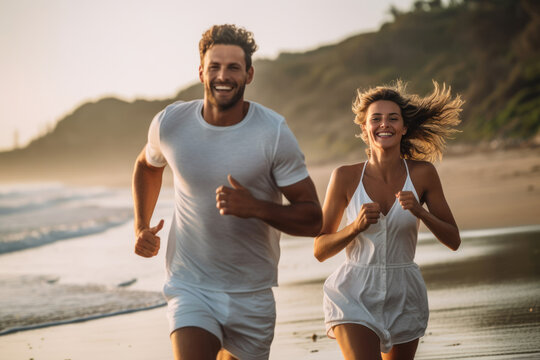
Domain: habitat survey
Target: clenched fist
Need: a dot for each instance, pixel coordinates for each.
(369, 214)
(408, 201)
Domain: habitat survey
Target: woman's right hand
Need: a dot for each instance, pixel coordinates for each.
(369, 214)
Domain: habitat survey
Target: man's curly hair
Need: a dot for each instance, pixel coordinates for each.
(228, 35)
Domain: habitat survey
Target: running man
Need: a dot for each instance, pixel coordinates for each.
(232, 160)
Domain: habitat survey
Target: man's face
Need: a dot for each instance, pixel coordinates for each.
(224, 75)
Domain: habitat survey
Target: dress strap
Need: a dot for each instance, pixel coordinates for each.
(363, 170)
(406, 167)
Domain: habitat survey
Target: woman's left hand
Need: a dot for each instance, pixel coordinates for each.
(408, 201)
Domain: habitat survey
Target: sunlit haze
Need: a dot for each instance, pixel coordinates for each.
(58, 54)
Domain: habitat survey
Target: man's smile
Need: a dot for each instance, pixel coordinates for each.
(223, 87)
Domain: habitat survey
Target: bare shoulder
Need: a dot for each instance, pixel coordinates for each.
(346, 178)
(424, 177)
(347, 170)
(346, 173)
(421, 168)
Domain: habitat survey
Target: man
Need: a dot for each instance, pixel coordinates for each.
(232, 160)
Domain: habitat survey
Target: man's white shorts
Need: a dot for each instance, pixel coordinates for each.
(243, 322)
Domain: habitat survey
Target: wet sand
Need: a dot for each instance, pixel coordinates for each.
(483, 298)
(42, 301)
(483, 302)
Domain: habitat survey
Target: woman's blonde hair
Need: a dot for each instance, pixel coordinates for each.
(429, 120)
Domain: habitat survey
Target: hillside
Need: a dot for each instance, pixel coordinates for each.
(487, 50)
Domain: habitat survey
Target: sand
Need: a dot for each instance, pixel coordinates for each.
(483, 305)
(484, 190)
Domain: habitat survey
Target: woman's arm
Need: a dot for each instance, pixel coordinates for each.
(439, 219)
(330, 241)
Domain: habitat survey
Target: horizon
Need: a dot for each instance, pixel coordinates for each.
(60, 55)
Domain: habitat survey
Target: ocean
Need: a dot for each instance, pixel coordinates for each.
(35, 215)
(66, 255)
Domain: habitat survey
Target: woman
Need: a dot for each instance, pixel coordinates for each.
(376, 302)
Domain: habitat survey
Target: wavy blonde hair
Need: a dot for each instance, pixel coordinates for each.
(429, 120)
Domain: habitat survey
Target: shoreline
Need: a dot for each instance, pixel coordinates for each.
(288, 245)
(484, 189)
(471, 323)
(284, 282)
(489, 193)
(18, 329)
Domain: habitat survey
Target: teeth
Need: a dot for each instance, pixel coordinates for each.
(384, 134)
(222, 87)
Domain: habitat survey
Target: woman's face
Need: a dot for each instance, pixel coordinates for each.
(384, 124)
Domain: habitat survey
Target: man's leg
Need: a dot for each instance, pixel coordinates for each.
(249, 328)
(193, 343)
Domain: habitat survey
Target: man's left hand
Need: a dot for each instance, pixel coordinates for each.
(235, 200)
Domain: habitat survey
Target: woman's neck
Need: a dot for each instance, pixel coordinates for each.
(385, 164)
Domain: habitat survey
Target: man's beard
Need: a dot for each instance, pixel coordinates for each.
(228, 104)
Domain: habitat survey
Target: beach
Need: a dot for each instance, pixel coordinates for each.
(483, 298)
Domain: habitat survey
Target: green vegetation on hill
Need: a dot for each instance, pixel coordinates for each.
(486, 50)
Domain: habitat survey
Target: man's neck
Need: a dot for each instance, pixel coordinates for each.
(214, 116)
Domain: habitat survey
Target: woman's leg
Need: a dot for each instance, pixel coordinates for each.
(193, 343)
(357, 342)
(404, 351)
(225, 355)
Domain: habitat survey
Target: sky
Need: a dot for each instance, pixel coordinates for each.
(58, 54)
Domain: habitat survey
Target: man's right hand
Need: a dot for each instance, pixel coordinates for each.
(147, 242)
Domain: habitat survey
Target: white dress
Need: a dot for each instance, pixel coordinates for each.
(379, 285)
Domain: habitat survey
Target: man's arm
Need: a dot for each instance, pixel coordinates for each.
(301, 217)
(146, 187)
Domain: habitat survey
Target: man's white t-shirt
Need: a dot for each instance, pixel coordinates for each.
(206, 249)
